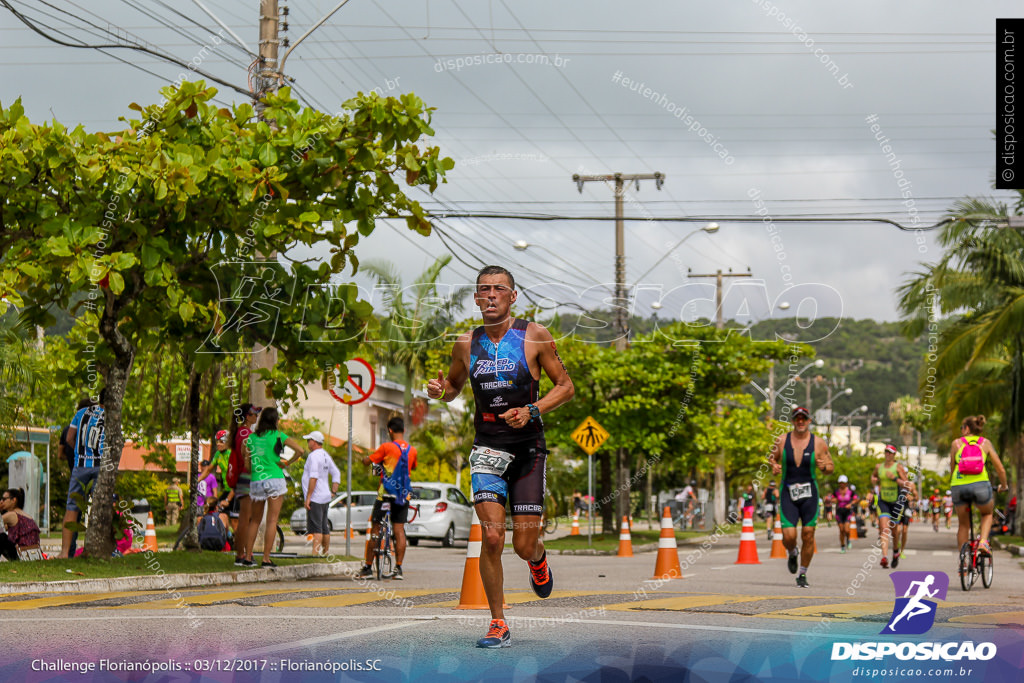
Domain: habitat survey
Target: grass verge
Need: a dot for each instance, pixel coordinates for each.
(136, 564)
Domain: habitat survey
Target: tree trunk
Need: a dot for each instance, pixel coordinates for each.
(191, 540)
(99, 537)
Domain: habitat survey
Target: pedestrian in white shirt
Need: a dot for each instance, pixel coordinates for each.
(319, 471)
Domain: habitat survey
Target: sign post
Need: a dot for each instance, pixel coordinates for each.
(357, 388)
(589, 436)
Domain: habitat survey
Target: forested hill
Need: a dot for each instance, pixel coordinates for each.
(872, 358)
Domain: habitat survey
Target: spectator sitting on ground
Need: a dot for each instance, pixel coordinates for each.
(213, 535)
(22, 531)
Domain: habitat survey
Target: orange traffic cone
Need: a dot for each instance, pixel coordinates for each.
(778, 550)
(667, 564)
(472, 595)
(748, 544)
(149, 543)
(575, 524)
(625, 544)
(853, 529)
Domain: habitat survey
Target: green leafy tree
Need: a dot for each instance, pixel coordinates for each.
(165, 224)
(971, 305)
(417, 316)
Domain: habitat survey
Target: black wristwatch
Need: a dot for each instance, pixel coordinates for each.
(534, 411)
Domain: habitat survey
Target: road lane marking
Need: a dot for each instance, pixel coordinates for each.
(997, 619)
(310, 642)
(684, 602)
(518, 598)
(851, 610)
(67, 599)
(349, 599)
(198, 600)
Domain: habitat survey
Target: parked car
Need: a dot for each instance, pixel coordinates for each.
(444, 514)
(336, 513)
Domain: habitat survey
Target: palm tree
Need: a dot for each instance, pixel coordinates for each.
(972, 302)
(418, 317)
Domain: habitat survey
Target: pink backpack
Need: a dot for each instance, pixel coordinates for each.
(972, 458)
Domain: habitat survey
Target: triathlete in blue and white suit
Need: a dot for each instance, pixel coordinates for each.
(796, 456)
(503, 360)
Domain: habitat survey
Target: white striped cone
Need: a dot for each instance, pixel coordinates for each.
(472, 595)
(748, 543)
(667, 564)
(625, 542)
(778, 550)
(575, 524)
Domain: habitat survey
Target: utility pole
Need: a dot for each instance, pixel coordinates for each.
(621, 319)
(620, 180)
(267, 80)
(720, 495)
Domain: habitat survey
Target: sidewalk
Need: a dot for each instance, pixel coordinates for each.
(174, 581)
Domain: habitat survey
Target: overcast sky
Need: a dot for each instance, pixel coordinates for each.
(778, 96)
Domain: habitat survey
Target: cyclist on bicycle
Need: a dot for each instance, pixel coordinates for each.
(974, 488)
(393, 460)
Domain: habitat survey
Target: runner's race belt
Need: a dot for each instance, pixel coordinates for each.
(484, 460)
(799, 491)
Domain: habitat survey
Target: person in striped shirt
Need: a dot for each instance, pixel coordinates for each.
(86, 436)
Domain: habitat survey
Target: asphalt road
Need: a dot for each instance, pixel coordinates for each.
(606, 620)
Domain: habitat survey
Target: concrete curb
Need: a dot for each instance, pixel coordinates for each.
(174, 581)
(1010, 548)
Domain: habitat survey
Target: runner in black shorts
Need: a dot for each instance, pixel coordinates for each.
(503, 360)
(797, 455)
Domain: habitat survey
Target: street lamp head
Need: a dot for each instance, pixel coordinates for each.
(656, 305)
(783, 305)
(847, 391)
(711, 228)
(819, 363)
(863, 409)
(520, 245)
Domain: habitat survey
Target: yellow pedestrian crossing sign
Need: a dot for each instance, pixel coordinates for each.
(590, 435)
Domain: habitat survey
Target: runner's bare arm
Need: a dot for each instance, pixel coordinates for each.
(549, 361)
(775, 455)
(874, 476)
(823, 457)
(997, 463)
(901, 476)
(448, 388)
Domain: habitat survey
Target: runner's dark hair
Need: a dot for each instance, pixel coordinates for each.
(396, 425)
(975, 423)
(267, 421)
(496, 270)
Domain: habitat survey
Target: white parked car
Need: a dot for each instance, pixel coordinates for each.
(336, 513)
(444, 515)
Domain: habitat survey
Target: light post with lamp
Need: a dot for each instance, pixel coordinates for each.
(771, 393)
(849, 426)
(828, 417)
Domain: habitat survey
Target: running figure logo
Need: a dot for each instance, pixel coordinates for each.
(913, 614)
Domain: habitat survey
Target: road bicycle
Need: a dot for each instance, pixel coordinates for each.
(384, 541)
(972, 563)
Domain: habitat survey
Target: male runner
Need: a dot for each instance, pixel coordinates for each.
(394, 461)
(796, 455)
(503, 360)
(771, 505)
(891, 479)
(903, 528)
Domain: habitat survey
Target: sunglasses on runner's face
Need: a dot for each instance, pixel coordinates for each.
(802, 418)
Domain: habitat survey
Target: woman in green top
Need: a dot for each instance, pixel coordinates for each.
(892, 481)
(264, 454)
(974, 488)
